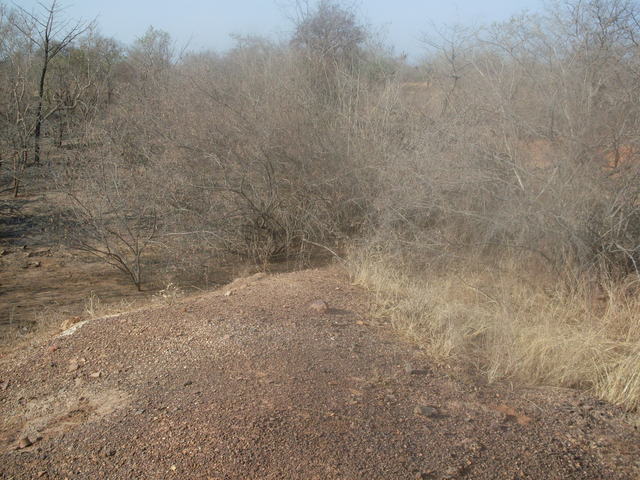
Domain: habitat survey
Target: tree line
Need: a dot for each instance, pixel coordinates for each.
(520, 136)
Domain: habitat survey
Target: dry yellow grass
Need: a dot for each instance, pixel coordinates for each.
(533, 332)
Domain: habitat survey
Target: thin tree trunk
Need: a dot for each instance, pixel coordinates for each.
(16, 185)
(36, 133)
(60, 130)
(17, 171)
(138, 267)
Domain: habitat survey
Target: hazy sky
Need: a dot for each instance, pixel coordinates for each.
(208, 23)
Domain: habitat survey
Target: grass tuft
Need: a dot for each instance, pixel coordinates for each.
(535, 332)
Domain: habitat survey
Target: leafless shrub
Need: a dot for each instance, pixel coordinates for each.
(524, 171)
(268, 161)
(521, 144)
(114, 216)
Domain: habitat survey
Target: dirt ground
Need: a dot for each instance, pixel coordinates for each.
(253, 384)
(37, 281)
(39, 278)
(43, 283)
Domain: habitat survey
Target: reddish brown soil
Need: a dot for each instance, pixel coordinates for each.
(41, 281)
(37, 282)
(255, 385)
(43, 284)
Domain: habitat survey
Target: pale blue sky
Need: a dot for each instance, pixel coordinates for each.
(208, 23)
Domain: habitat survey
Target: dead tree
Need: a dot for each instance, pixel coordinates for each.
(51, 36)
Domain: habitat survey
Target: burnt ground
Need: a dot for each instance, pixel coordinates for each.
(255, 385)
(44, 284)
(39, 277)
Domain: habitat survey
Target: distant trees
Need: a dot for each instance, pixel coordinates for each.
(329, 30)
(523, 122)
(151, 54)
(30, 45)
(15, 111)
(270, 147)
(51, 36)
(330, 41)
(82, 86)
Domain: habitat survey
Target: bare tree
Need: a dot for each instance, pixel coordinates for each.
(454, 44)
(329, 30)
(51, 35)
(16, 105)
(113, 215)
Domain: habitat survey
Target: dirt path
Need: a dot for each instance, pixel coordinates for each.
(256, 386)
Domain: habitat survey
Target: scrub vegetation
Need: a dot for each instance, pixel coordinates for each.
(489, 196)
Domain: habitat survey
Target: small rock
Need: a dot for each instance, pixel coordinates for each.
(451, 473)
(319, 306)
(415, 371)
(52, 348)
(510, 414)
(426, 411)
(187, 383)
(33, 264)
(257, 276)
(228, 293)
(39, 253)
(70, 322)
(110, 452)
(73, 366)
(24, 442)
(472, 445)
(95, 374)
(4, 384)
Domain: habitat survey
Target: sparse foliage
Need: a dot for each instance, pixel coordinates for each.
(114, 215)
(329, 30)
(513, 141)
(51, 36)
